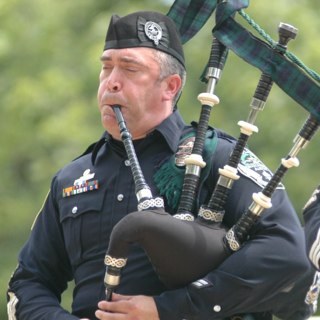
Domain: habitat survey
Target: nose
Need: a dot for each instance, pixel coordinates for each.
(113, 86)
(113, 81)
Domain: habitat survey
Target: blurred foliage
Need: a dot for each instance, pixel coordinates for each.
(49, 60)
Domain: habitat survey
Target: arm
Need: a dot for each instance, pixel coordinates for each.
(43, 270)
(311, 216)
(250, 279)
(258, 278)
(247, 281)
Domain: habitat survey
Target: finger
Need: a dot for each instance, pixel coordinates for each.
(121, 306)
(117, 297)
(103, 305)
(103, 315)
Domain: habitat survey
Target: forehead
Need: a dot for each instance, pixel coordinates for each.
(141, 55)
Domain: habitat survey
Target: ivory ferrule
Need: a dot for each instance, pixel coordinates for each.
(228, 172)
(247, 128)
(290, 162)
(194, 159)
(209, 99)
(261, 202)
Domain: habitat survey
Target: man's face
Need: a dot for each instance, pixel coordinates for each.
(130, 78)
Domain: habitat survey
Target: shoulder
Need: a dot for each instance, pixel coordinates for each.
(250, 166)
(226, 142)
(253, 168)
(311, 217)
(82, 166)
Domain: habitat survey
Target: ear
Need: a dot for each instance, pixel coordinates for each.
(172, 85)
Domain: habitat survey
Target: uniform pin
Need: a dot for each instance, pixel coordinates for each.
(82, 184)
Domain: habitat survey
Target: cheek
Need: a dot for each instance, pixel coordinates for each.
(154, 94)
(102, 81)
(100, 91)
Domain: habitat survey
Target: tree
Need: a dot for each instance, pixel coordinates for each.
(49, 58)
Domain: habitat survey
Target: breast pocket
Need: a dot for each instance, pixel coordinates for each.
(81, 219)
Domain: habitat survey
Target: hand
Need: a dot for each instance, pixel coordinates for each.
(127, 308)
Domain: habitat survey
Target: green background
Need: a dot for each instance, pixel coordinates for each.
(49, 59)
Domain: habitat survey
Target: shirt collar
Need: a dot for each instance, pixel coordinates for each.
(170, 129)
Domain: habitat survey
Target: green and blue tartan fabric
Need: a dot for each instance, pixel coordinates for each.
(288, 76)
(191, 15)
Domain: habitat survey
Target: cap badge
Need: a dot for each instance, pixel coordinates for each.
(184, 150)
(153, 31)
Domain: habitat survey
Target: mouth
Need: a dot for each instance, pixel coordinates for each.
(108, 99)
(108, 106)
(107, 111)
(107, 103)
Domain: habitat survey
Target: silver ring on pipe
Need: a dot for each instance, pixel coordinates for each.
(151, 203)
(210, 215)
(233, 243)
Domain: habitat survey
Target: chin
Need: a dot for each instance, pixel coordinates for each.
(110, 126)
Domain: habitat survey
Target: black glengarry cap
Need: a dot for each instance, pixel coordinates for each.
(145, 29)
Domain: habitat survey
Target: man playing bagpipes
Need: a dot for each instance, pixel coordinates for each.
(311, 216)
(143, 73)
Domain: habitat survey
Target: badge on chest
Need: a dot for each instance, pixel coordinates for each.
(83, 184)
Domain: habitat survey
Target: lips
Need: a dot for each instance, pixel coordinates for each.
(109, 99)
(107, 110)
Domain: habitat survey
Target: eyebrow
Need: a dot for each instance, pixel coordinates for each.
(104, 58)
(123, 59)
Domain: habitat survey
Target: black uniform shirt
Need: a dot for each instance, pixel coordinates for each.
(70, 238)
(311, 215)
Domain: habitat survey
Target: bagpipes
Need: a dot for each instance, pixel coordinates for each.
(172, 242)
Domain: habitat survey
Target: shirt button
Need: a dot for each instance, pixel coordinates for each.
(74, 210)
(120, 197)
(127, 163)
(217, 308)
